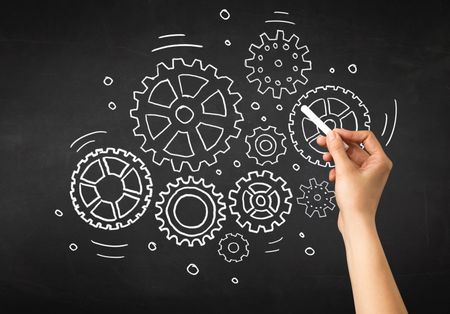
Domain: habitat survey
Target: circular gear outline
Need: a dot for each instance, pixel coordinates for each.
(316, 206)
(165, 222)
(230, 256)
(253, 152)
(175, 69)
(243, 219)
(135, 162)
(310, 154)
(281, 40)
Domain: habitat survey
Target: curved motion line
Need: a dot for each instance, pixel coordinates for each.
(88, 142)
(171, 35)
(110, 256)
(385, 123)
(81, 137)
(109, 245)
(177, 45)
(281, 12)
(280, 21)
(276, 241)
(395, 122)
(271, 251)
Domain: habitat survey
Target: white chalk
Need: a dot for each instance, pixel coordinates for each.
(316, 120)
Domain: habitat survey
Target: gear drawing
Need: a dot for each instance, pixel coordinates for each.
(265, 145)
(110, 188)
(178, 204)
(317, 198)
(186, 114)
(278, 64)
(337, 107)
(260, 201)
(233, 247)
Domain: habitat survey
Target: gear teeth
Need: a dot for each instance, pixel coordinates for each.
(316, 198)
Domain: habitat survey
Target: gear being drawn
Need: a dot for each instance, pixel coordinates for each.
(178, 204)
(110, 188)
(278, 64)
(186, 114)
(317, 198)
(265, 145)
(260, 201)
(233, 247)
(337, 107)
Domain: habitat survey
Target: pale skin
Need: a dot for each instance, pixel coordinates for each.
(360, 176)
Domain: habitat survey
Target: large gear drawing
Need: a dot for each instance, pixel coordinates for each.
(278, 64)
(186, 114)
(317, 198)
(233, 247)
(260, 201)
(178, 200)
(265, 145)
(337, 107)
(110, 188)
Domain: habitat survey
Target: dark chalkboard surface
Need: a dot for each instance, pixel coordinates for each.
(154, 158)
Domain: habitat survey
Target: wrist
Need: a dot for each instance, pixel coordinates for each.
(355, 225)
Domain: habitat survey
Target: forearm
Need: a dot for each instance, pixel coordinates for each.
(374, 288)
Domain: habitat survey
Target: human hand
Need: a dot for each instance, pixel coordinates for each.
(359, 174)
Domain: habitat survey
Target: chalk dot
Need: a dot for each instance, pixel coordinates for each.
(112, 105)
(237, 163)
(296, 167)
(260, 70)
(279, 107)
(309, 251)
(352, 68)
(301, 235)
(224, 14)
(235, 280)
(192, 269)
(255, 105)
(286, 47)
(295, 68)
(73, 247)
(277, 83)
(152, 246)
(331, 70)
(263, 118)
(58, 213)
(108, 81)
(278, 63)
(275, 46)
(295, 55)
(267, 79)
(218, 172)
(227, 43)
(289, 79)
(266, 48)
(260, 57)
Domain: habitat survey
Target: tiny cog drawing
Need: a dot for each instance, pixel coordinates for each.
(317, 198)
(186, 114)
(111, 188)
(337, 107)
(278, 64)
(181, 197)
(265, 145)
(260, 201)
(233, 248)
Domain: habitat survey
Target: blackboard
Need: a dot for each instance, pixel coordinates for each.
(70, 69)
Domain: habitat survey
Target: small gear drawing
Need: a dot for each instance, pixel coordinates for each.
(233, 247)
(337, 107)
(265, 145)
(110, 188)
(260, 201)
(176, 207)
(186, 114)
(317, 198)
(278, 64)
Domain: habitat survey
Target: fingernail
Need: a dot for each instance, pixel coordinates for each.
(331, 136)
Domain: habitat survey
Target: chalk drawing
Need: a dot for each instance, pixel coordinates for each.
(394, 124)
(237, 163)
(152, 246)
(224, 14)
(332, 70)
(192, 269)
(73, 247)
(296, 167)
(219, 172)
(84, 136)
(317, 198)
(352, 68)
(171, 35)
(109, 245)
(112, 105)
(108, 81)
(234, 280)
(337, 107)
(92, 180)
(110, 256)
(58, 213)
(260, 201)
(263, 118)
(275, 62)
(173, 200)
(227, 43)
(186, 114)
(255, 105)
(301, 235)
(233, 248)
(310, 251)
(265, 145)
(279, 107)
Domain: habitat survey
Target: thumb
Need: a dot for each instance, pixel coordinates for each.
(337, 150)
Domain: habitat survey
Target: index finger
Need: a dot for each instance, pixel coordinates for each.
(367, 138)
